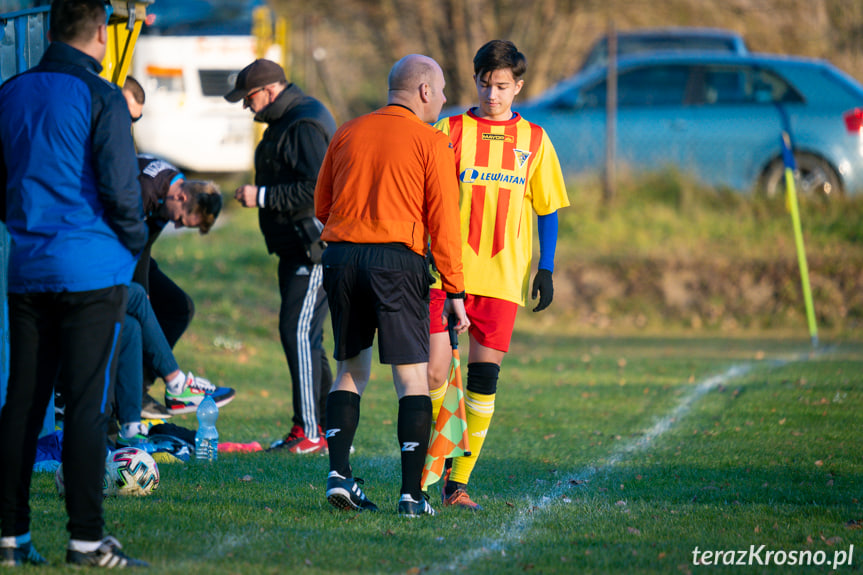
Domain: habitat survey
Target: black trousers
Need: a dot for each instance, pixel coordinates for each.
(301, 323)
(174, 308)
(71, 339)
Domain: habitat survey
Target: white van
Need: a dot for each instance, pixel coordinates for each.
(187, 58)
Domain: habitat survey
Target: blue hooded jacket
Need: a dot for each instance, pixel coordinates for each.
(69, 191)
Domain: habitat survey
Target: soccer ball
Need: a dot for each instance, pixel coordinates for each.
(107, 485)
(132, 471)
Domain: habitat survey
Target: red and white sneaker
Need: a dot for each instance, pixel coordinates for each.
(297, 442)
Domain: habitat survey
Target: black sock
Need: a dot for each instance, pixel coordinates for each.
(450, 487)
(343, 416)
(414, 427)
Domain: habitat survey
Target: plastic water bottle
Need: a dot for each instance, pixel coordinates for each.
(207, 438)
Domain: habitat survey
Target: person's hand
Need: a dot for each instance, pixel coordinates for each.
(456, 306)
(247, 195)
(544, 286)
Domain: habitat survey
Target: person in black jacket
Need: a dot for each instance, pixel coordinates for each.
(287, 161)
(71, 201)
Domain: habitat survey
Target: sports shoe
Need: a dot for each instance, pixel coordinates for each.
(345, 493)
(460, 498)
(107, 555)
(410, 507)
(297, 442)
(21, 555)
(132, 434)
(152, 409)
(193, 392)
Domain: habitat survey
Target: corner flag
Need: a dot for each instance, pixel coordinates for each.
(791, 200)
(449, 437)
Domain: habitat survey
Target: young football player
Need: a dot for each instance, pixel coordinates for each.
(508, 170)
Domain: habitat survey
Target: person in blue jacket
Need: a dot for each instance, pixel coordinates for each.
(71, 201)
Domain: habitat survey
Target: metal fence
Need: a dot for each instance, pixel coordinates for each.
(23, 40)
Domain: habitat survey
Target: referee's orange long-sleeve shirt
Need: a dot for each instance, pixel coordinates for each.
(389, 177)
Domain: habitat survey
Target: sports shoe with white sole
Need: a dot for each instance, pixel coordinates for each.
(108, 555)
(298, 442)
(345, 493)
(410, 507)
(193, 392)
(24, 554)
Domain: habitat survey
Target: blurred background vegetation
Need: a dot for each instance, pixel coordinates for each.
(342, 49)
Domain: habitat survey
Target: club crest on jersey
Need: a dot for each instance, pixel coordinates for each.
(497, 138)
(521, 156)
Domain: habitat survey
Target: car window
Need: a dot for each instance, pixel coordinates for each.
(745, 84)
(770, 87)
(648, 86)
(683, 84)
(724, 85)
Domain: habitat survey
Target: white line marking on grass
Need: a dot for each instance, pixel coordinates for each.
(513, 531)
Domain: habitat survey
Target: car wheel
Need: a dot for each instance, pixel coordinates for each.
(814, 178)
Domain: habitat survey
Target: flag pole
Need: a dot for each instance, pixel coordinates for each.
(791, 194)
(449, 437)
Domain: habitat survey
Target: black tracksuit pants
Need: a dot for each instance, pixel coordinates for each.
(71, 339)
(301, 321)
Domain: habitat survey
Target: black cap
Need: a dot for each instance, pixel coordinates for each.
(258, 74)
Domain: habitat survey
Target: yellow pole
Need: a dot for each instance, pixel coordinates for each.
(791, 190)
(124, 26)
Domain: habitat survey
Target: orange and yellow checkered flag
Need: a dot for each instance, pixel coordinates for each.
(449, 437)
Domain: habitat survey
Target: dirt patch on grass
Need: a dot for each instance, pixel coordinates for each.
(718, 293)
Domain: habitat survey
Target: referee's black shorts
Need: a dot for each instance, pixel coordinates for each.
(381, 287)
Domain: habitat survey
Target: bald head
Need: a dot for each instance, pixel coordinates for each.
(417, 81)
(410, 72)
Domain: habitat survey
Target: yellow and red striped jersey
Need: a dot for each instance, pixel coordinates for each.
(506, 171)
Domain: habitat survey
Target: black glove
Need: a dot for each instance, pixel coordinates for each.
(543, 285)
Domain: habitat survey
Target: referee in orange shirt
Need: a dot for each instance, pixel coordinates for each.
(386, 185)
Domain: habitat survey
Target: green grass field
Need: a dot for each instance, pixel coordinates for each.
(607, 454)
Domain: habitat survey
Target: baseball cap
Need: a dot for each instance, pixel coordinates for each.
(258, 74)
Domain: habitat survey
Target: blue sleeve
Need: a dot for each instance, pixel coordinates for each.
(2, 185)
(547, 228)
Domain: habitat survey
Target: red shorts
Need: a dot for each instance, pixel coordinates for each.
(492, 320)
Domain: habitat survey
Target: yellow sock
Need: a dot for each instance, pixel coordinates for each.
(437, 396)
(479, 410)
